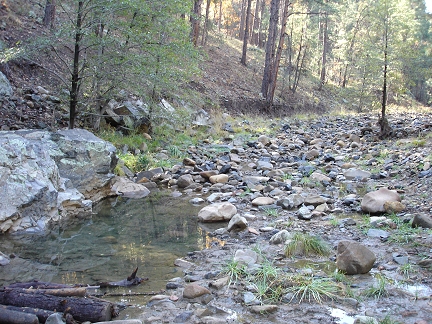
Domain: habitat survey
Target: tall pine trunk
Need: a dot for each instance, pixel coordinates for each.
(270, 48)
(246, 32)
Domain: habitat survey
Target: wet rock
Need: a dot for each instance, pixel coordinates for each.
(212, 320)
(421, 220)
(354, 258)
(194, 290)
(250, 299)
(183, 263)
(373, 202)
(237, 223)
(216, 212)
(129, 189)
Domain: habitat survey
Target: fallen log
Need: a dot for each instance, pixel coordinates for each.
(61, 292)
(41, 314)
(38, 285)
(81, 308)
(8, 316)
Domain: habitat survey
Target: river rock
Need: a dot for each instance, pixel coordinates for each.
(259, 309)
(237, 223)
(194, 290)
(49, 177)
(319, 177)
(421, 220)
(354, 258)
(280, 237)
(263, 201)
(219, 178)
(185, 180)
(314, 200)
(264, 140)
(216, 212)
(373, 202)
(357, 174)
(4, 259)
(129, 189)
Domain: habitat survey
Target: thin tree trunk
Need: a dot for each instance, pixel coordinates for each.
(49, 16)
(195, 21)
(242, 20)
(75, 85)
(246, 32)
(256, 23)
(220, 16)
(261, 35)
(270, 47)
(279, 52)
(324, 52)
(206, 24)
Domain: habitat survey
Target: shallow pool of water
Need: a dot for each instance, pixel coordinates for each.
(148, 233)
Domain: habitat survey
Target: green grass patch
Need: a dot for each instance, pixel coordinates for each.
(305, 244)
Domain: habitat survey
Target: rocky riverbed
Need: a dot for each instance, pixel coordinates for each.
(305, 177)
(320, 179)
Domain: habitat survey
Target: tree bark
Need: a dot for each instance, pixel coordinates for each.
(49, 15)
(8, 316)
(206, 24)
(75, 85)
(256, 23)
(272, 86)
(246, 32)
(270, 48)
(242, 20)
(195, 21)
(324, 52)
(82, 309)
(261, 34)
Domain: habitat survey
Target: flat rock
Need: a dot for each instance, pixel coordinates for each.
(194, 290)
(263, 201)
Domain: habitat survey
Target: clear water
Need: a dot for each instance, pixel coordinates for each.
(148, 233)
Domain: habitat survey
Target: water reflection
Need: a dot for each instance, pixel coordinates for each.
(149, 233)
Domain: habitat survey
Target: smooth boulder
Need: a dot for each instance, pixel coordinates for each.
(373, 202)
(217, 212)
(354, 258)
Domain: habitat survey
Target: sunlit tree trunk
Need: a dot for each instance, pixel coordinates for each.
(246, 33)
(270, 48)
(195, 21)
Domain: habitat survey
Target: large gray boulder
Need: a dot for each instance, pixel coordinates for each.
(5, 87)
(49, 177)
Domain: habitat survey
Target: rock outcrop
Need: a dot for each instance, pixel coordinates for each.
(47, 177)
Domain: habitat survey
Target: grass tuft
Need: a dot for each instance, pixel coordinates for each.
(305, 244)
